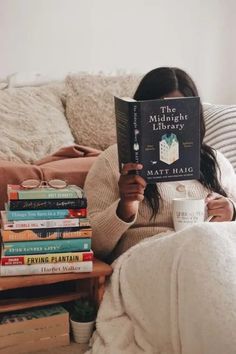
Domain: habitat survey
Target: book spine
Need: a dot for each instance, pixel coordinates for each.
(43, 193)
(48, 204)
(74, 267)
(38, 224)
(50, 246)
(45, 234)
(47, 258)
(135, 132)
(45, 214)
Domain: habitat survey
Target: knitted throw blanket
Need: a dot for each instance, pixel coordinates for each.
(171, 295)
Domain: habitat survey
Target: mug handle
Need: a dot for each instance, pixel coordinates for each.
(209, 218)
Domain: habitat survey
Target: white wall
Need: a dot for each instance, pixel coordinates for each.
(59, 36)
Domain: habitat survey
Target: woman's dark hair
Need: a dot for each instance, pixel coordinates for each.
(163, 81)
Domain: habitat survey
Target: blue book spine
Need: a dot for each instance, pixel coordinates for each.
(15, 215)
(49, 246)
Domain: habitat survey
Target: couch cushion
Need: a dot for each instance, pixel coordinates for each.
(70, 164)
(221, 129)
(32, 123)
(90, 106)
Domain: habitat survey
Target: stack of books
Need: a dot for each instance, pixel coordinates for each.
(32, 330)
(45, 230)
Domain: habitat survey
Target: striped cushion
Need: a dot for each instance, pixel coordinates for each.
(221, 129)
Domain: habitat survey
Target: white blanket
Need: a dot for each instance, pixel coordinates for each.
(171, 295)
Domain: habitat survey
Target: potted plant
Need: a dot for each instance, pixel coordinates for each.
(82, 319)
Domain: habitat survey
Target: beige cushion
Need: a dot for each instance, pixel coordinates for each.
(221, 129)
(32, 123)
(90, 106)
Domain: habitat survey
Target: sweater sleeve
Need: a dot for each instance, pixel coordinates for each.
(101, 187)
(227, 176)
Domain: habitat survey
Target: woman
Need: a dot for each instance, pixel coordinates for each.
(173, 292)
(123, 209)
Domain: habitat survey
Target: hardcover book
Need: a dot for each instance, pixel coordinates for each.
(39, 204)
(163, 135)
(45, 214)
(47, 258)
(48, 268)
(39, 224)
(49, 246)
(16, 192)
(45, 234)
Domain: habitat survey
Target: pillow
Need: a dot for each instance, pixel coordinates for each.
(32, 123)
(221, 129)
(70, 164)
(90, 106)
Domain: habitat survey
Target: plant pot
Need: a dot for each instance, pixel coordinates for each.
(82, 331)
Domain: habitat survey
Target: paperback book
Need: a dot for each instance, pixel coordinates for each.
(45, 214)
(45, 234)
(163, 135)
(16, 192)
(48, 268)
(38, 224)
(39, 204)
(50, 246)
(47, 258)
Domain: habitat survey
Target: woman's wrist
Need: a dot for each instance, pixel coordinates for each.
(126, 212)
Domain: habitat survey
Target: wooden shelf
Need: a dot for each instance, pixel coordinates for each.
(19, 304)
(84, 284)
(99, 269)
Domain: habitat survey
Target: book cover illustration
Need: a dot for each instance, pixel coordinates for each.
(161, 134)
(16, 192)
(27, 315)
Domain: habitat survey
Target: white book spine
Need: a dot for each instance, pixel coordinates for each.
(41, 224)
(50, 268)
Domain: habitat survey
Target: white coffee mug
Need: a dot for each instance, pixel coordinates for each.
(188, 211)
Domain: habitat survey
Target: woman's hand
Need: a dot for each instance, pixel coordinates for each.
(219, 207)
(131, 189)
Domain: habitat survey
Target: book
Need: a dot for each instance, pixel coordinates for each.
(38, 224)
(16, 192)
(163, 135)
(47, 258)
(40, 204)
(45, 234)
(45, 214)
(49, 246)
(48, 268)
(34, 329)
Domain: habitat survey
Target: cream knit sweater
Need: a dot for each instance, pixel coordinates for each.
(111, 235)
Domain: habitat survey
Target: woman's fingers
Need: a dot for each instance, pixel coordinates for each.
(219, 207)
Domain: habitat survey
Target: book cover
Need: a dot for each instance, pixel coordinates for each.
(40, 204)
(161, 134)
(49, 246)
(38, 224)
(48, 268)
(45, 234)
(47, 258)
(14, 215)
(16, 192)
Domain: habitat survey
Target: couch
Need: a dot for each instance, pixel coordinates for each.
(57, 129)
